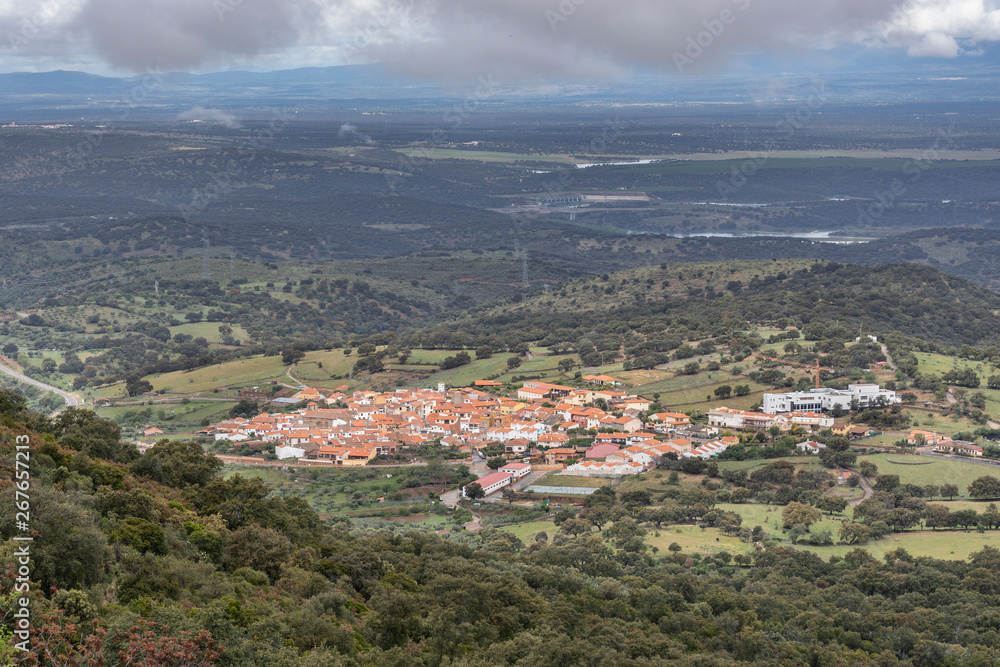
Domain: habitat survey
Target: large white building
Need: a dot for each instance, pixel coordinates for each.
(823, 399)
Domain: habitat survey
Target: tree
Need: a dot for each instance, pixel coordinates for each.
(597, 516)
(965, 518)
(135, 385)
(575, 526)
(292, 356)
(10, 349)
(986, 486)
(177, 463)
(797, 532)
(245, 408)
(854, 533)
(509, 495)
(949, 491)
(496, 462)
(566, 365)
(868, 469)
(263, 549)
(887, 483)
(798, 514)
(938, 516)
(832, 504)
(742, 389)
(513, 362)
(474, 491)
(484, 352)
(723, 392)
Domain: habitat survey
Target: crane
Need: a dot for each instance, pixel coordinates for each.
(817, 368)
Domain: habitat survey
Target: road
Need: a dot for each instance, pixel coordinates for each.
(71, 400)
(888, 360)
(866, 486)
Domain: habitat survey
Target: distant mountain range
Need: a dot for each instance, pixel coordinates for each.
(71, 95)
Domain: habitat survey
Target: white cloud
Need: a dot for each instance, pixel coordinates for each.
(943, 28)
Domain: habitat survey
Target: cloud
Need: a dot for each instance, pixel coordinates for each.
(349, 129)
(943, 28)
(462, 40)
(210, 116)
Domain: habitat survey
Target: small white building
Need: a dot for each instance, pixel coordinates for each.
(517, 470)
(493, 482)
(289, 452)
(810, 446)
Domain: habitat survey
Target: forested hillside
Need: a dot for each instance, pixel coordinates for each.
(155, 559)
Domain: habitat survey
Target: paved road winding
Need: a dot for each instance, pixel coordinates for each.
(71, 400)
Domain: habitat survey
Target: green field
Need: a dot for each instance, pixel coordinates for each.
(946, 545)
(769, 518)
(242, 372)
(572, 480)
(179, 417)
(527, 531)
(207, 330)
(695, 540)
(940, 471)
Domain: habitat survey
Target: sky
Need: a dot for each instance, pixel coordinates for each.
(464, 40)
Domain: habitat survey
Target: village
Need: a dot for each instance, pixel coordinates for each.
(597, 431)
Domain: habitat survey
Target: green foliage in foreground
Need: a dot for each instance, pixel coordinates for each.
(215, 571)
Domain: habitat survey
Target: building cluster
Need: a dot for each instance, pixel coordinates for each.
(535, 424)
(761, 421)
(351, 430)
(824, 399)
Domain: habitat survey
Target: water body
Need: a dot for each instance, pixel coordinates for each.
(619, 164)
(819, 237)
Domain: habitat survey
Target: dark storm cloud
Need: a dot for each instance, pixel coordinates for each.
(521, 38)
(461, 40)
(178, 34)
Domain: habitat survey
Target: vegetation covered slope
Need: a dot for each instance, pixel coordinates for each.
(154, 559)
(917, 300)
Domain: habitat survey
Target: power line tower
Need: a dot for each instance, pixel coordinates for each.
(156, 288)
(232, 258)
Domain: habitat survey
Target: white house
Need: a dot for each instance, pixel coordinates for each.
(289, 452)
(517, 470)
(493, 482)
